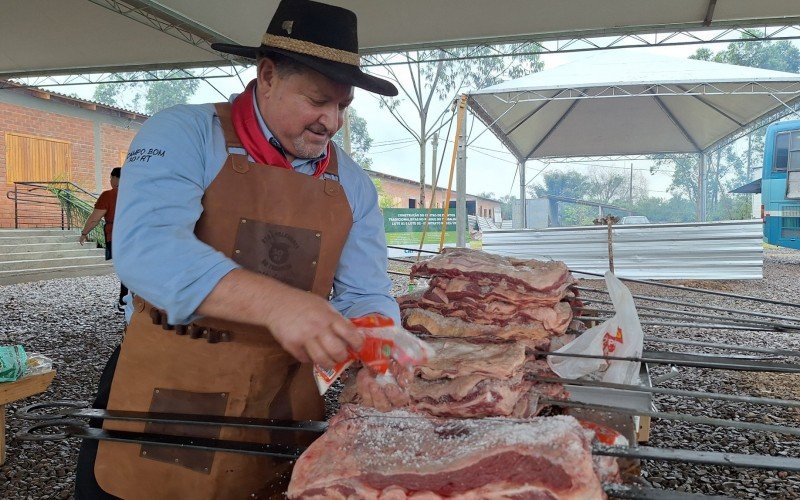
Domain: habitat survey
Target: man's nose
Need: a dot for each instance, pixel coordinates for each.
(330, 118)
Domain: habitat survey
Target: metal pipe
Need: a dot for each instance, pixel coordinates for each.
(681, 359)
(698, 290)
(762, 325)
(696, 314)
(711, 326)
(674, 392)
(775, 352)
(688, 304)
(680, 417)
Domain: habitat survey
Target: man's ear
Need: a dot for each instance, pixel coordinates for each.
(267, 74)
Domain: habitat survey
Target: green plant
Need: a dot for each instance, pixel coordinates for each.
(76, 209)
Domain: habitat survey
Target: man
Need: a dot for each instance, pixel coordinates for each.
(104, 208)
(229, 216)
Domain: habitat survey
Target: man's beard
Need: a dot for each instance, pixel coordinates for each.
(307, 151)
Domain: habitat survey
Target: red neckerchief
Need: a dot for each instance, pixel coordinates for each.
(245, 122)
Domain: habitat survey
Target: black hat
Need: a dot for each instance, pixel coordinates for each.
(321, 36)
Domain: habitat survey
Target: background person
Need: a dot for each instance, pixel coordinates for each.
(105, 208)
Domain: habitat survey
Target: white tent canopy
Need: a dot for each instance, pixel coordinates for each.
(39, 37)
(602, 105)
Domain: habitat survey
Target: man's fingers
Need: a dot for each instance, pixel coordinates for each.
(379, 399)
(334, 347)
(349, 333)
(318, 354)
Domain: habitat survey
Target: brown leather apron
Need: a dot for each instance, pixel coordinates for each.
(270, 220)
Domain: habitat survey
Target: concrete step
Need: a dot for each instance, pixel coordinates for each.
(16, 265)
(38, 232)
(28, 275)
(86, 251)
(32, 240)
(41, 247)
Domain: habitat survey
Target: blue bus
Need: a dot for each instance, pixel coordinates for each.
(780, 184)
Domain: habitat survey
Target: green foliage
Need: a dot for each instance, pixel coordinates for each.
(507, 206)
(76, 209)
(782, 55)
(569, 184)
(384, 200)
(146, 97)
(360, 140)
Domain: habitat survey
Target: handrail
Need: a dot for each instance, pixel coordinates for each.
(75, 205)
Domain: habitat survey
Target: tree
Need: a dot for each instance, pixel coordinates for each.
(430, 80)
(782, 55)
(606, 186)
(146, 97)
(360, 140)
(569, 184)
(507, 206)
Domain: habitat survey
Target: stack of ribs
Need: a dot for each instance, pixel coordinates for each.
(485, 297)
(473, 380)
(398, 455)
(486, 317)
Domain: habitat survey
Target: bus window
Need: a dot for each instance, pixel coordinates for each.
(781, 152)
(793, 168)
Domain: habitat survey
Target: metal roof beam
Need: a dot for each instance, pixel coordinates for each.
(149, 75)
(619, 38)
(159, 17)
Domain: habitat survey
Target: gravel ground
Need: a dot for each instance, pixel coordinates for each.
(74, 322)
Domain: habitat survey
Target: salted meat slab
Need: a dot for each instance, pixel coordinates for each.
(366, 454)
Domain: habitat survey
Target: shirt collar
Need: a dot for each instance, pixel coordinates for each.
(297, 162)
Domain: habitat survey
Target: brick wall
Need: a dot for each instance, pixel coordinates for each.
(401, 191)
(57, 125)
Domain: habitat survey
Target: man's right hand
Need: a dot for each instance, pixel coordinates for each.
(310, 329)
(304, 324)
(83, 239)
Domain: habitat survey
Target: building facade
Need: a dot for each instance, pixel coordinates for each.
(46, 136)
(404, 193)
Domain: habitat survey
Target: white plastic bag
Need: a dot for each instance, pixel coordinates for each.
(621, 336)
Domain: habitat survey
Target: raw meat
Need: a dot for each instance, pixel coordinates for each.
(369, 455)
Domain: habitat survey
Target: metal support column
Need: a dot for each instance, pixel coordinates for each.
(461, 185)
(522, 198)
(701, 188)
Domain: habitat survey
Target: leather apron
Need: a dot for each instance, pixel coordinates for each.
(271, 220)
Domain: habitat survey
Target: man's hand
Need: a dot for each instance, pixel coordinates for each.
(83, 239)
(380, 391)
(310, 329)
(304, 324)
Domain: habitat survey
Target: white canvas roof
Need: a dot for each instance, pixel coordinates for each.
(602, 105)
(80, 36)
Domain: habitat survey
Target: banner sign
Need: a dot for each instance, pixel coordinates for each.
(404, 226)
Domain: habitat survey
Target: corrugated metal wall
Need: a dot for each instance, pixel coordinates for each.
(713, 250)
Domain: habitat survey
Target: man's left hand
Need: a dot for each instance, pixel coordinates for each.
(384, 392)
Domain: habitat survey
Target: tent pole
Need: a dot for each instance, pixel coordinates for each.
(701, 188)
(522, 201)
(461, 183)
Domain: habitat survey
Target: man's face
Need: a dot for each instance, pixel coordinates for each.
(303, 110)
(114, 181)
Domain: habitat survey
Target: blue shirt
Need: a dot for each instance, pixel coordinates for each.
(171, 162)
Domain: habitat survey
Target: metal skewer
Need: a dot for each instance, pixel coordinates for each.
(689, 304)
(680, 417)
(761, 350)
(690, 289)
(673, 392)
(696, 314)
(711, 326)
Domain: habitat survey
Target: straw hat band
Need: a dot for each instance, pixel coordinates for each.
(311, 49)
